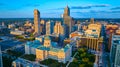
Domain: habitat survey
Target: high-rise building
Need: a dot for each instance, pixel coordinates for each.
(37, 21)
(49, 27)
(59, 29)
(66, 11)
(117, 56)
(115, 50)
(68, 21)
(110, 29)
(1, 63)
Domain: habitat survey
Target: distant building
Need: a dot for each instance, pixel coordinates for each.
(91, 38)
(115, 50)
(20, 62)
(49, 49)
(28, 24)
(17, 32)
(43, 27)
(3, 29)
(59, 29)
(42, 22)
(37, 22)
(49, 27)
(11, 26)
(92, 20)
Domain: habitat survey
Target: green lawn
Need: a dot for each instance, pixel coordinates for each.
(29, 57)
(14, 53)
(83, 59)
(52, 63)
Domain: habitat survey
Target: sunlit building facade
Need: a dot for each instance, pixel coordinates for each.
(49, 27)
(115, 50)
(37, 22)
(68, 21)
(59, 29)
(49, 49)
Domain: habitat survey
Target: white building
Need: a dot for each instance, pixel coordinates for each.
(115, 51)
(17, 32)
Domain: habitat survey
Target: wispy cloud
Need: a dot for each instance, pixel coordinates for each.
(56, 9)
(98, 11)
(115, 8)
(89, 6)
(32, 5)
(83, 7)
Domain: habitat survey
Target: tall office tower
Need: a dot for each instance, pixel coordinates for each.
(1, 63)
(68, 21)
(58, 28)
(92, 20)
(115, 50)
(66, 11)
(37, 21)
(117, 56)
(49, 27)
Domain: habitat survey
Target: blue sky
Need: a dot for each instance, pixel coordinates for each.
(55, 8)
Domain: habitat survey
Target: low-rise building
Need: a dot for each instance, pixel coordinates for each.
(20, 62)
(49, 49)
(17, 32)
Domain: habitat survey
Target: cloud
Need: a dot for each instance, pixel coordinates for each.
(115, 8)
(89, 6)
(32, 5)
(98, 11)
(109, 11)
(83, 7)
(101, 5)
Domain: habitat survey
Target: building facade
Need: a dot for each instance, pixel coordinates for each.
(49, 49)
(68, 21)
(37, 22)
(114, 52)
(59, 29)
(49, 27)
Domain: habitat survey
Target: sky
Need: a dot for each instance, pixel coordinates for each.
(55, 8)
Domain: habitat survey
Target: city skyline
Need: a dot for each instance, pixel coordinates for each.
(54, 9)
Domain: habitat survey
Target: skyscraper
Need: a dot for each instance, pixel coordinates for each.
(68, 21)
(49, 27)
(66, 11)
(58, 28)
(1, 64)
(115, 50)
(37, 21)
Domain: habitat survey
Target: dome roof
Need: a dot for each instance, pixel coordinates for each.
(47, 38)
